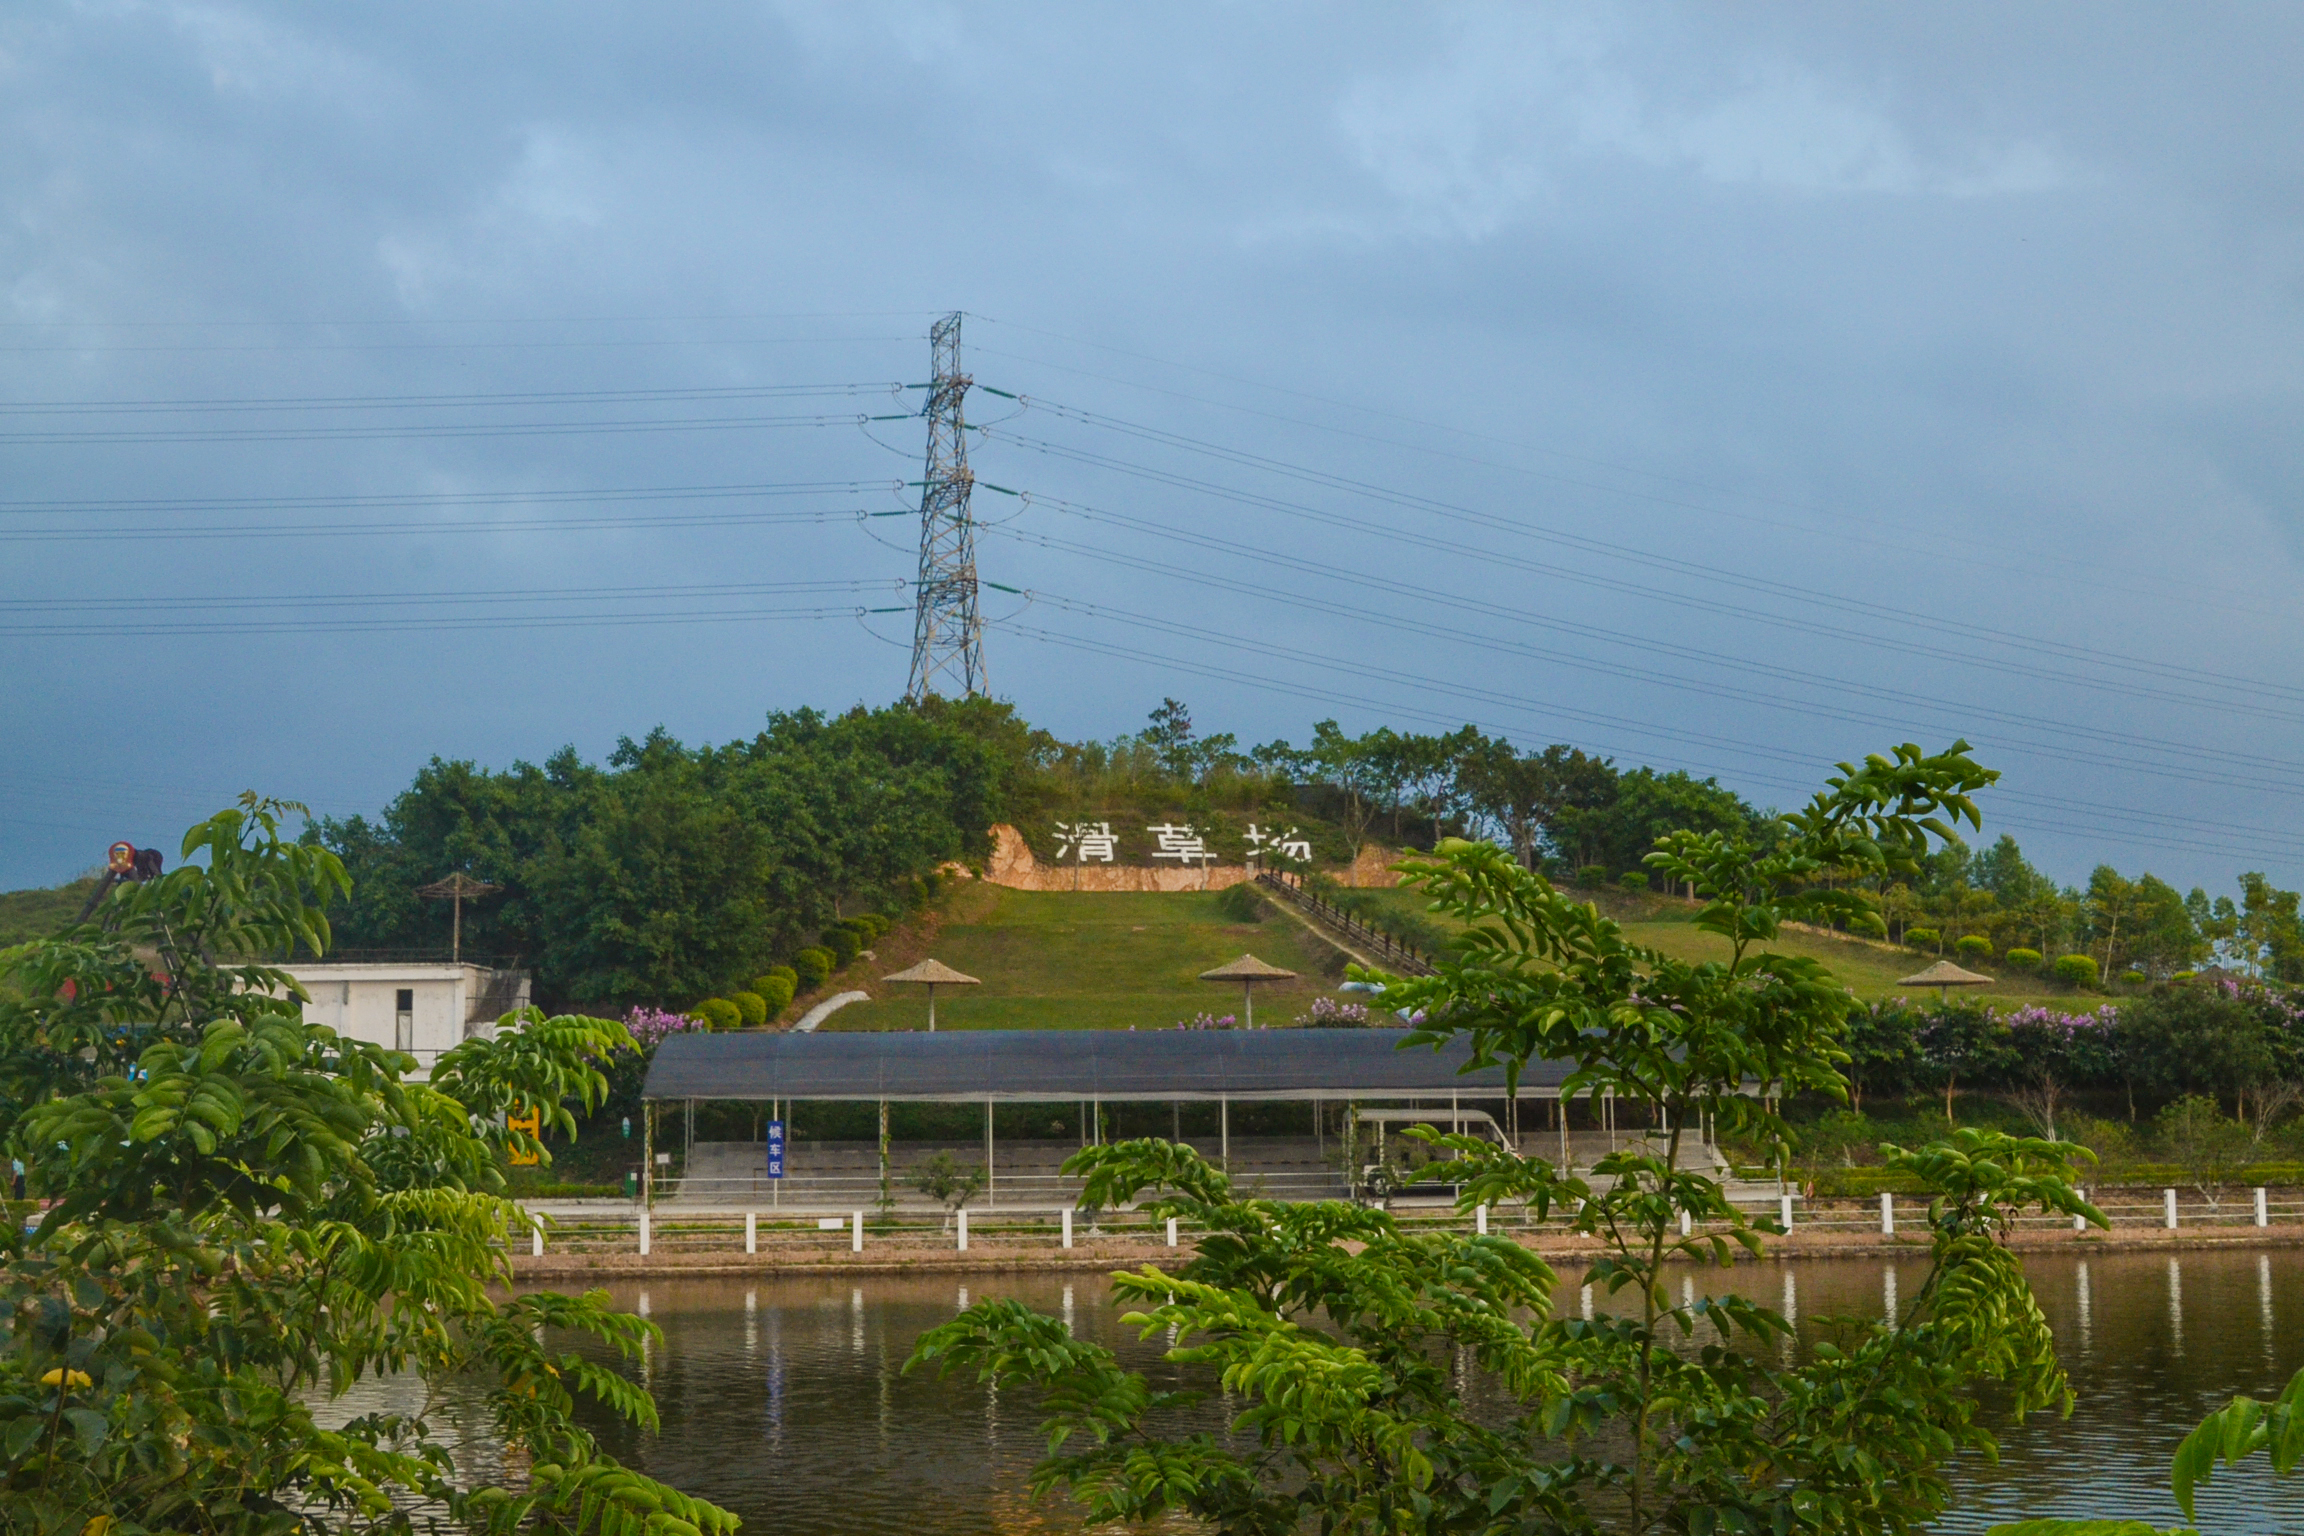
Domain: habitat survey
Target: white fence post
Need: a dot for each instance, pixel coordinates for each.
(536, 1230)
(2168, 1200)
(1784, 1212)
(2263, 1211)
(856, 1233)
(1067, 1226)
(751, 1231)
(1687, 1224)
(1480, 1219)
(643, 1234)
(1887, 1214)
(963, 1229)
(1171, 1231)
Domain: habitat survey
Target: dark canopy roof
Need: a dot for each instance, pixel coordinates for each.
(1068, 1064)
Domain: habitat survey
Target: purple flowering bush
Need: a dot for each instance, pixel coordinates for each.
(649, 1026)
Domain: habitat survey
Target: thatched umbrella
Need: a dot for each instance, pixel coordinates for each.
(1248, 970)
(1944, 976)
(933, 974)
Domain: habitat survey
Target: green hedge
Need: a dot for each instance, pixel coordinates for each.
(2074, 970)
(2021, 959)
(719, 1013)
(751, 1007)
(842, 943)
(776, 991)
(812, 965)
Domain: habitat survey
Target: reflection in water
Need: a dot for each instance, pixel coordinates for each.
(786, 1399)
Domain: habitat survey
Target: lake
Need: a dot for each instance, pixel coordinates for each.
(784, 1399)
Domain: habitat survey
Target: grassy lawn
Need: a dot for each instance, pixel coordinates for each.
(1060, 960)
(1870, 970)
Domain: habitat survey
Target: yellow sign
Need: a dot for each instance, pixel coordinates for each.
(532, 1127)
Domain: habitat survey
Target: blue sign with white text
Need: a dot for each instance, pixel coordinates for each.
(775, 1149)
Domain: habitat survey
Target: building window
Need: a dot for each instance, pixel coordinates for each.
(404, 1019)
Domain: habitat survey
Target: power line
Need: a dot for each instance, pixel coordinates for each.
(178, 531)
(1869, 610)
(455, 498)
(437, 430)
(443, 402)
(2053, 561)
(1135, 652)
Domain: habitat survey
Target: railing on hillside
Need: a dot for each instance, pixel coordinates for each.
(1391, 951)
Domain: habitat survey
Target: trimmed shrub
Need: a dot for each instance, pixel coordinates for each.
(776, 990)
(791, 976)
(1592, 877)
(2021, 959)
(2134, 978)
(719, 1013)
(1973, 946)
(1633, 879)
(2075, 970)
(1240, 904)
(2184, 976)
(812, 965)
(1924, 938)
(866, 931)
(843, 944)
(751, 1007)
(872, 923)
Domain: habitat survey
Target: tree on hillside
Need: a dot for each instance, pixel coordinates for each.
(1646, 805)
(2263, 936)
(249, 1215)
(1340, 1338)
(1346, 765)
(672, 872)
(1524, 797)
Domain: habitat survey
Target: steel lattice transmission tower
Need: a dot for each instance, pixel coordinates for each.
(947, 634)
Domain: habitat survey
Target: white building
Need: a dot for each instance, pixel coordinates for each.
(421, 1007)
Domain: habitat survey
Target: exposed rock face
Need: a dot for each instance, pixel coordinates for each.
(1013, 865)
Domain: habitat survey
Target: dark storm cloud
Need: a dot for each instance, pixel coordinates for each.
(1986, 316)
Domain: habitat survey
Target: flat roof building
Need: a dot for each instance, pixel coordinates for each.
(421, 1007)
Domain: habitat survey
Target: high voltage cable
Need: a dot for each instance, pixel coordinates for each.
(1360, 700)
(1499, 522)
(496, 597)
(474, 525)
(1836, 530)
(464, 346)
(456, 498)
(420, 402)
(1614, 637)
(2056, 752)
(440, 430)
(2120, 738)
(433, 623)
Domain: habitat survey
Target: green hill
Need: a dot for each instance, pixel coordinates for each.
(1870, 969)
(1058, 960)
(37, 914)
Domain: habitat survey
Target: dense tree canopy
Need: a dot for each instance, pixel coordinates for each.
(672, 872)
(248, 1213)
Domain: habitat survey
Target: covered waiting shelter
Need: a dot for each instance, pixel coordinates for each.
(1082, 1066)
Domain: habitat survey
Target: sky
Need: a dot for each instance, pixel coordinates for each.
(1736, 389)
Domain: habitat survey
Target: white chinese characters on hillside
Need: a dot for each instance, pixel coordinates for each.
(1290, 844)
(1085, 840)
(1181, 843)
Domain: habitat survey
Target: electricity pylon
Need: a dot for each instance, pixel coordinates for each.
(947, 634)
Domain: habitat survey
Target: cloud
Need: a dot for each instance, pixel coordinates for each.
(1518, 109)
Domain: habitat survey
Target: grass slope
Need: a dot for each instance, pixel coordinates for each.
(1102, 960)
(39, 914)
(1869, 969)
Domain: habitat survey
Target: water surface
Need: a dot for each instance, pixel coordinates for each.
(784, 1399)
